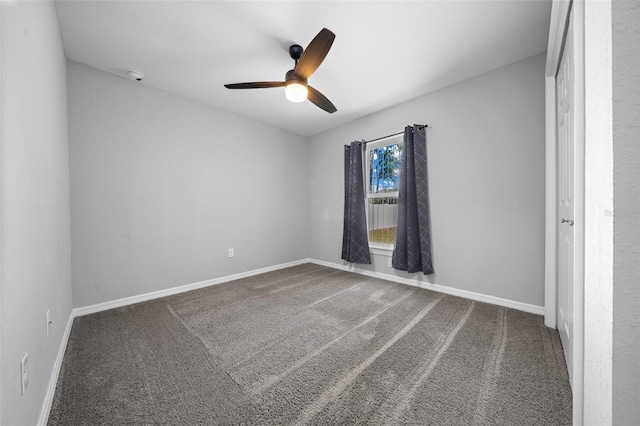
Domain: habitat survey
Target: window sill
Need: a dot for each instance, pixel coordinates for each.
(381, 249)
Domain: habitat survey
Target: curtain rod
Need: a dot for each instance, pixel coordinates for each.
(388, 136)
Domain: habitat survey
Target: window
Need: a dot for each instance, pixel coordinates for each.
(382, 174)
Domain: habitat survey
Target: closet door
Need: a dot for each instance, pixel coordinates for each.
(566, 196)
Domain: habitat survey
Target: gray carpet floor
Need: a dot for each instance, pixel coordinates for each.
(312, 345)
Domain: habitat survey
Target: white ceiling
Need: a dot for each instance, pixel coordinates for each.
(385, 52)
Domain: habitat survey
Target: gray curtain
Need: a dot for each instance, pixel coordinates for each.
(355, 240)
(412, 252)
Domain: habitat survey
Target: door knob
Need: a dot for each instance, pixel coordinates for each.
(569, 221)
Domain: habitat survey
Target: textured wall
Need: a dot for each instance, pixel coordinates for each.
(626, 268)
(486, 171)
(162, 186)
(34, 210)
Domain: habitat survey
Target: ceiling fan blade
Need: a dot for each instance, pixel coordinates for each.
(320, 100)
(256, 85)
(314, 54)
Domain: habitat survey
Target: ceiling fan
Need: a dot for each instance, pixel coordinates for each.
(307, 61)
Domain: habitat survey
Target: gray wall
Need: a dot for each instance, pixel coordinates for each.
(162, 186)
(34, 209)
(486, 172)
(626, 220)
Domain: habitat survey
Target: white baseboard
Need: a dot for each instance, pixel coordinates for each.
(525, 307)
(99, 307)
(55, 373)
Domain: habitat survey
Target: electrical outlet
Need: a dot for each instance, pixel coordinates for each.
(48, 319)
(24, 375)
(231, 252)
(389, 262)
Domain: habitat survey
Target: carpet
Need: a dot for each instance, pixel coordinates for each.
(312, 345)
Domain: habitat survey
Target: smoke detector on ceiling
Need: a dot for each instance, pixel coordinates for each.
(135, 75)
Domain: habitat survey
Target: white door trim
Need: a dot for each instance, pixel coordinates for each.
(1, 188)
(598, 212)
(579, 229)
(593, 307)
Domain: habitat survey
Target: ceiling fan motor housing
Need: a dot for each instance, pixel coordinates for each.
(291, 77)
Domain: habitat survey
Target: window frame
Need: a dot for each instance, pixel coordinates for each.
(384, 248)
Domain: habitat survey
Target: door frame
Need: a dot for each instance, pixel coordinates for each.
(594, 213)
(559, 25)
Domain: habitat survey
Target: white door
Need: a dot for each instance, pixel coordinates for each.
(566, 199)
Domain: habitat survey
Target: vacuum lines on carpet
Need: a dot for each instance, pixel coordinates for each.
(312, 345)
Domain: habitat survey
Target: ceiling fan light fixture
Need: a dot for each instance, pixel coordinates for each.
(296, 91)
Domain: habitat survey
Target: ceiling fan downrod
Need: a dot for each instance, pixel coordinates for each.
(295, 51)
